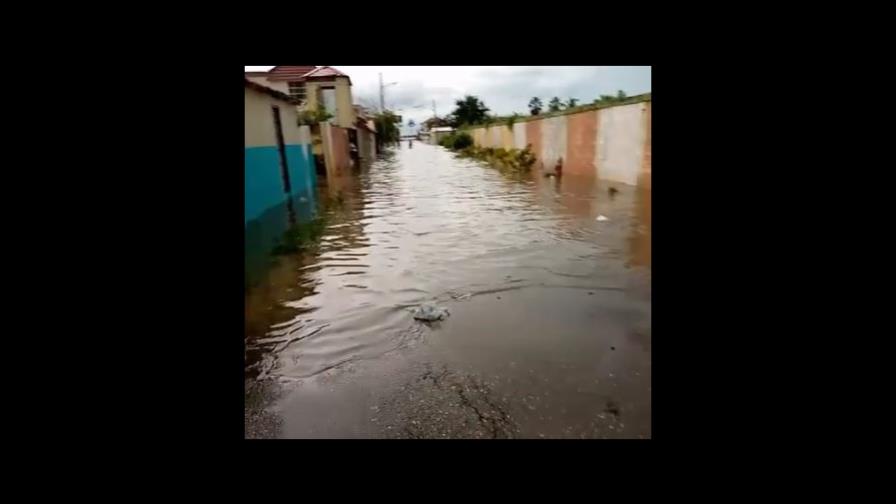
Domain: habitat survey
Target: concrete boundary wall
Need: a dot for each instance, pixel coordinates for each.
(611, 143)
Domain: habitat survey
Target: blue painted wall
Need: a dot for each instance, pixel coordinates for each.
(264, 183)
(302, 175)
(267, 214)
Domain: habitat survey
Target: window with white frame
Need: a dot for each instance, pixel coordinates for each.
(297, 90)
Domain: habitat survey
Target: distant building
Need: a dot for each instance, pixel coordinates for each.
(437, 134)
(366, 134)
(336, 143)
(310, 85)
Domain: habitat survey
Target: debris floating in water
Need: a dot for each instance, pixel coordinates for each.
(601, 218)
(430, 312)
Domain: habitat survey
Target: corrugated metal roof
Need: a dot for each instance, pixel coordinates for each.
(289, 73)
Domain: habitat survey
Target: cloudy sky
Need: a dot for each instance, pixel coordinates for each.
(503, 89)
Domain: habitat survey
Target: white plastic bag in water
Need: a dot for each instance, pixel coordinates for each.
(601, 218)
(430, 312)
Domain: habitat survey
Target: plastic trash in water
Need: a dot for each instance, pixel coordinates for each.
(601, 218)
(430, 312)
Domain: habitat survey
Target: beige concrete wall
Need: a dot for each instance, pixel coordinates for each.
(479, 137)
(336, 150)
(621, 135)
(612, 142)
(646, 165)
(519, 135)
(495, 136)
(312, 95)
(553, 141)
(283, 87)
(258, 79)
(345, 116)
(366, 144)
(345, 111)
(259, 121)
(506, 137)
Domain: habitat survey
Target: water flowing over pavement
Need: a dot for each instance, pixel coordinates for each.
(549, 330)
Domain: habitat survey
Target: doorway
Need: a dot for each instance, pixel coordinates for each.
(284, 169)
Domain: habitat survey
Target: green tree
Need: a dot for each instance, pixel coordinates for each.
(386, 128)
(470, 110)
(554, 105)
(535, 105)
(620, 95)
(313, 117)
(571, 103)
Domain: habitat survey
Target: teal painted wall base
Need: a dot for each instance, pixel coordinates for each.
(267, 205)
(264, 183)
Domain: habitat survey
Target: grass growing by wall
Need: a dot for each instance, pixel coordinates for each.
(517, 160)
(505, 159)
(300, 236)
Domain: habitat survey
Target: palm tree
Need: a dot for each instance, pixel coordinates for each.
(555, 105)
(535, 105)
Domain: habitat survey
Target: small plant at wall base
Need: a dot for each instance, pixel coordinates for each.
(515, 160)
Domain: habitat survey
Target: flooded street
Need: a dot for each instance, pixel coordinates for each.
(549, 332)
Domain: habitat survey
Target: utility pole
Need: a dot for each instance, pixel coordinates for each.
(382, 96)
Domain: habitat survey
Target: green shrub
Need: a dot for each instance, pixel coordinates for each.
(312, 117)
(456, 141)
(462, 140)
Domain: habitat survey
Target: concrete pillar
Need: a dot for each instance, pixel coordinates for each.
(311, 93)
(345, 112)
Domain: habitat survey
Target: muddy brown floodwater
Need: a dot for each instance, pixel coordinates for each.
(549, 330)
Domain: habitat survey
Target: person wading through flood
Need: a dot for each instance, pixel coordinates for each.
(558, 169)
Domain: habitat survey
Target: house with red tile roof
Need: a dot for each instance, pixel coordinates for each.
(348, 137)
(310, 86)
